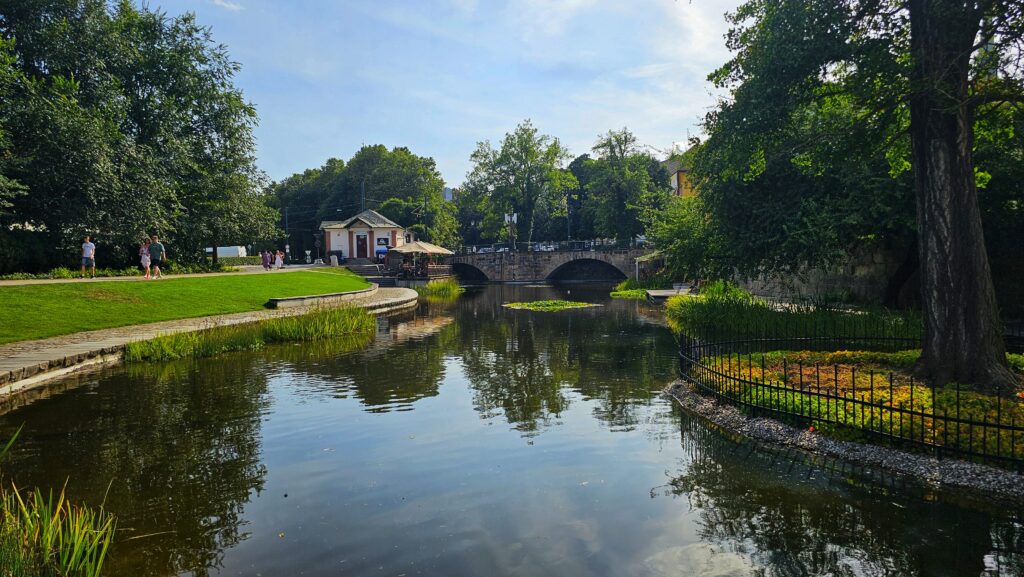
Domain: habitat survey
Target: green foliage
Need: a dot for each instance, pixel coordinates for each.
(549, 305)
(226, 261)
(524, 176)
(441, 289)
(630, 294)
(40, 311)
(352, 323)
(43, 534)
(723, 310)
(170, 268)
(137, 130)
(682, 232)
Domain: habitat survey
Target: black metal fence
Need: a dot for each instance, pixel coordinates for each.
(814, 377)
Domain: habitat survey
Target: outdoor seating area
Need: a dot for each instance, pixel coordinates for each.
(418, 260)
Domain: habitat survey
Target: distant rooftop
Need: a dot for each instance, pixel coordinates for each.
(370, 217)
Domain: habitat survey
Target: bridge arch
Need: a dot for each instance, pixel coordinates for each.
(586, 268)
(468, 273)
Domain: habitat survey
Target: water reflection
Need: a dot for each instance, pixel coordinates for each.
(471, 439)
(181, 458)
(789, 515)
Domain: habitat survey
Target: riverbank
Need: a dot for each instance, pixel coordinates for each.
(39, 311)
(937, 473)
(27, 364)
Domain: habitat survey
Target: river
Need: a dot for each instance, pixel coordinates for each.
(471, 439)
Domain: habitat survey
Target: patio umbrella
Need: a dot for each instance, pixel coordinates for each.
(421, 247)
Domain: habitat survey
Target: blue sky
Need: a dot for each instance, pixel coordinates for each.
(438, 76)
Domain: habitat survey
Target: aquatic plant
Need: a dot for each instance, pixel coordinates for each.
(441, 289)
(45, 534)
(634, 294)
(330, 323)
(549, 305)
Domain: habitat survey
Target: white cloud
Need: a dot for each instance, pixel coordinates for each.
(228, 5)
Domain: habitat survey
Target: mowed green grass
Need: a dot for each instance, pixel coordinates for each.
(47, 310)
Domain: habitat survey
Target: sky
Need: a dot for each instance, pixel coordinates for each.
(438, 76)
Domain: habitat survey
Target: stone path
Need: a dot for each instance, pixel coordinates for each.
(245, 270)
(21, 363)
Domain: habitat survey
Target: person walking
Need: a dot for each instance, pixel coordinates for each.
(88, 257)
(144, 259)
(279, 262)
(265, 258)
(157, 254)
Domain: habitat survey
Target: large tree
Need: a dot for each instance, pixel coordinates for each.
(524, 176)
(123, 121)
(942, 61)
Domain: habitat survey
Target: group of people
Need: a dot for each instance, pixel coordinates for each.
(272, 260)
(151, 256)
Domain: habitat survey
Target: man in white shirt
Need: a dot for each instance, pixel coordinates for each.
(88, 257)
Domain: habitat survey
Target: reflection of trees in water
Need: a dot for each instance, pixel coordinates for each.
(405, 364)
(795, 519)
(187, 432)
(522, 363)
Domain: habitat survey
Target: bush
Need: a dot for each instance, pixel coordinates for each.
(169, 267)
(240, 261)
(316, 326)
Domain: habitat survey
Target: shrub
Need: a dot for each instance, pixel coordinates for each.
(240, 261)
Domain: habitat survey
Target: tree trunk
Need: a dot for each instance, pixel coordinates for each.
(962, 329)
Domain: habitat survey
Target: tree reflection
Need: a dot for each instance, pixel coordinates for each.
(795, 518)
(522, 364)
(178, 444)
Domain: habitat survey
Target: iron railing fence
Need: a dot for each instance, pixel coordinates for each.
(812, 379)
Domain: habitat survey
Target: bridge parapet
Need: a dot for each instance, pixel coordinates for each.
(540, 265)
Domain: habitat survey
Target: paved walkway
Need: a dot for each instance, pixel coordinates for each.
(245, 270)
(27, 359)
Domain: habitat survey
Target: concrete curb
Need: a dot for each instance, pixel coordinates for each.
(313, 300)
(20, 380)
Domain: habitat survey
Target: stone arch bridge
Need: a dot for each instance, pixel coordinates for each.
(541, 265)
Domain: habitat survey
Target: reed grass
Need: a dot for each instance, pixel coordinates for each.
(441, 289)
(43, 534)
(318, 325)
(723, 310)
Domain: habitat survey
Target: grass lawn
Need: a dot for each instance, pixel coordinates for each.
(40, 311)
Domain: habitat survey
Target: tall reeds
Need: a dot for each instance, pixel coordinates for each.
(315, 326)
(45, 534)
(441, 289)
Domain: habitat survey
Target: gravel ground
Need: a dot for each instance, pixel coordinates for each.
(942, 474)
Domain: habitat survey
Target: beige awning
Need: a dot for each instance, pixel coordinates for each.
(421, 247)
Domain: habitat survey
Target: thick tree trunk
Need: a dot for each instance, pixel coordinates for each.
(962, 333)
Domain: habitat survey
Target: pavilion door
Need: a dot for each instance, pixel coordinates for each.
(360, 247)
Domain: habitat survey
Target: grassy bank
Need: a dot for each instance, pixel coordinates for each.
(440, 289)
(40, 311)
(43, 534)
(634, 289)
(549, 306)
(352, 324)
(725, 311)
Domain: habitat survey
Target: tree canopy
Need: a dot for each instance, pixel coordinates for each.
(120, 121)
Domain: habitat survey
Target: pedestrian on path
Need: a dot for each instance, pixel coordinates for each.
(279, 262)
(88, 257)
(144, 259)
(157, 254)
(265, 257)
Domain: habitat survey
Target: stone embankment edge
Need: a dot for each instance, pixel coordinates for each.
(941, 474)
(314, 300)
(27, 378)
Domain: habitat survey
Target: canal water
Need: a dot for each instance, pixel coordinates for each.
(471, 439)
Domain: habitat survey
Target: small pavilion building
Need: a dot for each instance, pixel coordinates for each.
(363, 236)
